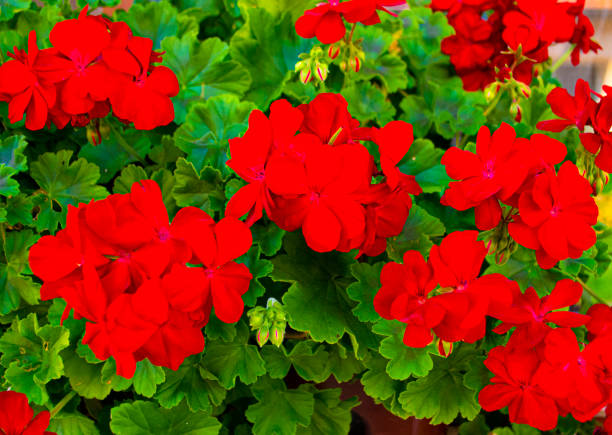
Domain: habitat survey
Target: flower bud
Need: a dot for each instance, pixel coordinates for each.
(322, 71)
(333, 51)
(257, 317)
(262, 336)
(445, 348)
(305, 75)
(354, 63)
(301, 65)
(278, 333)
(515, 110)
(343, 65)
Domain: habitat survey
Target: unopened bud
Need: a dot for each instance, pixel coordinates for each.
(322, 71)
(333, 51)
(515, 110)
(445, 348)
(301, 65)
(257, 317)
(262, 336)
(354, 64)
(305, 75)
(278, 333)
(343, 66)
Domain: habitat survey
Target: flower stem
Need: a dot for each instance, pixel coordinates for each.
(493, 103)
(350, 38)
(126, 146)
(562, 59)
(67, 398)
(591, 291)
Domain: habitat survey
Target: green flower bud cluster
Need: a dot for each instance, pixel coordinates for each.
(269, 322)
(313, 64)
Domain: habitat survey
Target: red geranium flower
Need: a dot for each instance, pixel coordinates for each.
(530, 314)
(16, 416)
(556, 216)
(494, 173)
(327, 117)
(600, 142)
(576, 110)
(121, 265)
(144, 94)
(324, 21)
(322, 194)
(516, 385)
(600, 324)
(467, 298)
(404, 296)
(25, 86)
(251, 152)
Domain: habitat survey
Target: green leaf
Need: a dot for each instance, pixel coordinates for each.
(8, 8)
(12, 161)
(166, 152)
(523, 268)
(269, 237)
(404, 361)
(202, 71)
(85, 379)
(145, 418)
(30, 354)
(441, 395)
(228, 361)
(310, 361)
(14, 286)
(259, 268)
(315, 301)
(391, 70)
(64, 184)
(111, 157)
(130, 175)
(278, 410)
(342, 363)
(331, 415)
(276, 361)
(207, 128)
(419, 229)
(193, 383)
(203, 190)
(367, 103)
(19, 210)
(378, 385)
(364, 290)
(156, 21)
(416, 112)
(73, 424)
(268, 47)
(423, 161)
(147, 377)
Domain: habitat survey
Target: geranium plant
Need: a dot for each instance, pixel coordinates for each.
(222, 216)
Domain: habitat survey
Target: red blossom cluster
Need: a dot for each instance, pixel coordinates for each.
(543, 372)
(488, 34)
(93, 66)
(305, 167)
(326, 21)
(555, 209)
(458, 310)
(16, 416)
(145, 286)
(583, 111)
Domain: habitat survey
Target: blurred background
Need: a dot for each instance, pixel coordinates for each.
(594, 68)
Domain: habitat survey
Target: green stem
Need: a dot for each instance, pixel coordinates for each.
(67, 398)
(126, 146)
(493, 103)
(350, 38)
(591, 291)
(562, 59)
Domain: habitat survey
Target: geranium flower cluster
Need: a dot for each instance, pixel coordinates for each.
(145, 286)
(305, 167)
(326, 21)
(17, 417)
(457, 310)
(555, 209)
(582, 111)
(94, 65)
(490, 35)
(544, 372)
